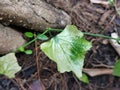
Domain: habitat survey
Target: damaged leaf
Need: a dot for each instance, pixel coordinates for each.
(9, 65)
(68, 50)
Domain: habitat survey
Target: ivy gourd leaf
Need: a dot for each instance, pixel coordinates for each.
(29, 34)
(42, 37)
(68, 50)
(29, 52)
(116, 69)
(9, 65)
(21, 49)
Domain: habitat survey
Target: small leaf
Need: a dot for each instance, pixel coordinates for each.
(68, 50)
(29, 34)
(117, 6)
(9, 65)
(21, 49)
(84, 78)
(42, 37)
(116, 69)
(111, 2)
(28, 52)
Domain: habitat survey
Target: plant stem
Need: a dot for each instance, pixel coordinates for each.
(59, 30)
(86, 33)
(54, 29)
(35, 39)
(29, 42)
(47, 30)
(100, 35)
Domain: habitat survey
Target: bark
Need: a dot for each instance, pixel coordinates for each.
(32, 14)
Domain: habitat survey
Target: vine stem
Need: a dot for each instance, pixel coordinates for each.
(59, 30)
(35, 39)
(85, 33)
(90, 34)
(46, 31)
(100, 35)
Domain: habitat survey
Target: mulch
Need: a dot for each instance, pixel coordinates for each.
(88, 17)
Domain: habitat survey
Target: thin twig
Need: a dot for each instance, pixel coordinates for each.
(37, 63)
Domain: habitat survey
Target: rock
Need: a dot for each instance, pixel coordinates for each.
(10, 39)
(32, 14)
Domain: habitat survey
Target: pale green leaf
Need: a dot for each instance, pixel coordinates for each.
(68, 50)
(116, 69)
(9, 65)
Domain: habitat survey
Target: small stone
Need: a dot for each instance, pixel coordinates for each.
(105, 42)
(10, 20)
(10, 39)
(1, 18)
(21, 21)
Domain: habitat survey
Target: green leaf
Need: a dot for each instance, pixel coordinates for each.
(29, 34)
(28, 52)
(111, 2)
(42, 37)
(117, 6)
(9, 65)
(84, 78)
(21, 49)
(116, 69)
(68, 50)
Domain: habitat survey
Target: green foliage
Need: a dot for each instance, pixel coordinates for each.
(9, 65)
(84, 78)
(42, 37)
(115, 4)
(29, 34)
(68, 50)
(21, 49)
(111, 2)
(28, 52)
(116, 69)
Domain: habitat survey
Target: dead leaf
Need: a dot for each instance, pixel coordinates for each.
(100, 2)
(97, 72)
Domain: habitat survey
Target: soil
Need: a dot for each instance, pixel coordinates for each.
(88, 17)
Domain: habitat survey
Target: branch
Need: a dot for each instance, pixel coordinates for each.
(32, 14)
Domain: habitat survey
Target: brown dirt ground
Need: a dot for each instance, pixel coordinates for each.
(88, 17)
